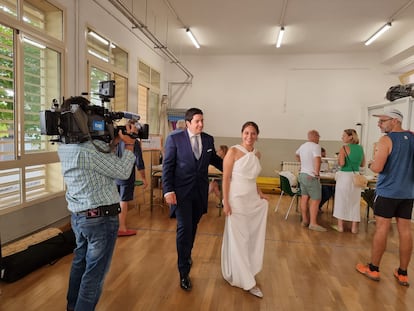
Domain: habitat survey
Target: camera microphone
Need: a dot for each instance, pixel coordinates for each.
(131, 115)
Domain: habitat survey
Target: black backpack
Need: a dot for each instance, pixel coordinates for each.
(399, 91)
(18, 265)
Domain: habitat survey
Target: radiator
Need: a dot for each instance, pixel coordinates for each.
(293, 167)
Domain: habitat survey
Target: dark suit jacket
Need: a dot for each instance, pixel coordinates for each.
(182, 173)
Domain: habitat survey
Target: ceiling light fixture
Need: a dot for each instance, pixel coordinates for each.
(376, 35)
(282, 24)
(280, 37)
(193, 39)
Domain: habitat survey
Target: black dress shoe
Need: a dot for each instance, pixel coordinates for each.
(185, 283)
(190, 261)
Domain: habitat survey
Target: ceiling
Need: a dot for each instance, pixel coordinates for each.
(312, 26)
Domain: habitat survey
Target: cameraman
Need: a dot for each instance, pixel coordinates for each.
(93, 201)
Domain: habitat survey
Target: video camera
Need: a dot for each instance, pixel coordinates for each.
(77, 121)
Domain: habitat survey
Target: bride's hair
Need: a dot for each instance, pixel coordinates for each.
(250, 123)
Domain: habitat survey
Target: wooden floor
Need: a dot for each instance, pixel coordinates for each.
(303, 270)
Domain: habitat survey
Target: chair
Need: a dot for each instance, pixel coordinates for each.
(368, 195)
(139, 183)
(294, 192)
(156, 182)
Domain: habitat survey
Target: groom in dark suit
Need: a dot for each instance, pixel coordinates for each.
(185, 183)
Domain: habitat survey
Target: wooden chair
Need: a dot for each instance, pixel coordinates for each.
(157, 199)
(139, 184)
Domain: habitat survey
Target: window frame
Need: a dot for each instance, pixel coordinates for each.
(150, 79)
(110, 67)
(33, 167)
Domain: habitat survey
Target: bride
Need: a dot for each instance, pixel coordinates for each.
(245, 208)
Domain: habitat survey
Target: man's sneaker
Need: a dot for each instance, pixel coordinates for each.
(401, 279)
(365, 270)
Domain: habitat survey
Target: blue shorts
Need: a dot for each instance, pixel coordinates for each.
(388, 208)
(126, 192)
(310, 186)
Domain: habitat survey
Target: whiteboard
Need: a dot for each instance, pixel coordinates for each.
(154, 142)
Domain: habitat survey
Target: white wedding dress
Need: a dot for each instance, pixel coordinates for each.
(244, 232)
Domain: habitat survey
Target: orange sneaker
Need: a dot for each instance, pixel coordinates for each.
(365, 270)
(401, 279)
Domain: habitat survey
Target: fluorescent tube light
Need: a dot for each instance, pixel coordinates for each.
(193, 39)
(280, 37)
(378, 33)
(34, 43)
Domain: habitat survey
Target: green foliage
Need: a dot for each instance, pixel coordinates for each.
(6, 80)
(32, 86)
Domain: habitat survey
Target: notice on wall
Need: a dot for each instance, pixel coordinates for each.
(154, 142)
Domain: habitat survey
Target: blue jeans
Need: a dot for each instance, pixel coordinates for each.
(327, 193)
(95, 243)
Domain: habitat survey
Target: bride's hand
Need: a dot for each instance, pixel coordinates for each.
(263, 196)
(226, 209)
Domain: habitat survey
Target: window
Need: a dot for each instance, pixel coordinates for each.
(106, 51)
(149, 96)
(7, 64)
(108, 62)
(98, 46)
(44, 16)
(41, 85)
(119, 58)
(120, 101)
(143, 103)
(29, 81)
(38, 180)
(155, 79)
(97, 75)
(144, 73)
(9, 7)
(10, 187)
(154, 112)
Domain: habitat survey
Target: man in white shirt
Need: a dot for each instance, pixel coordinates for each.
(309, 155)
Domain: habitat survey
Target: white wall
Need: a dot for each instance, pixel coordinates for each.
(286, 95)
